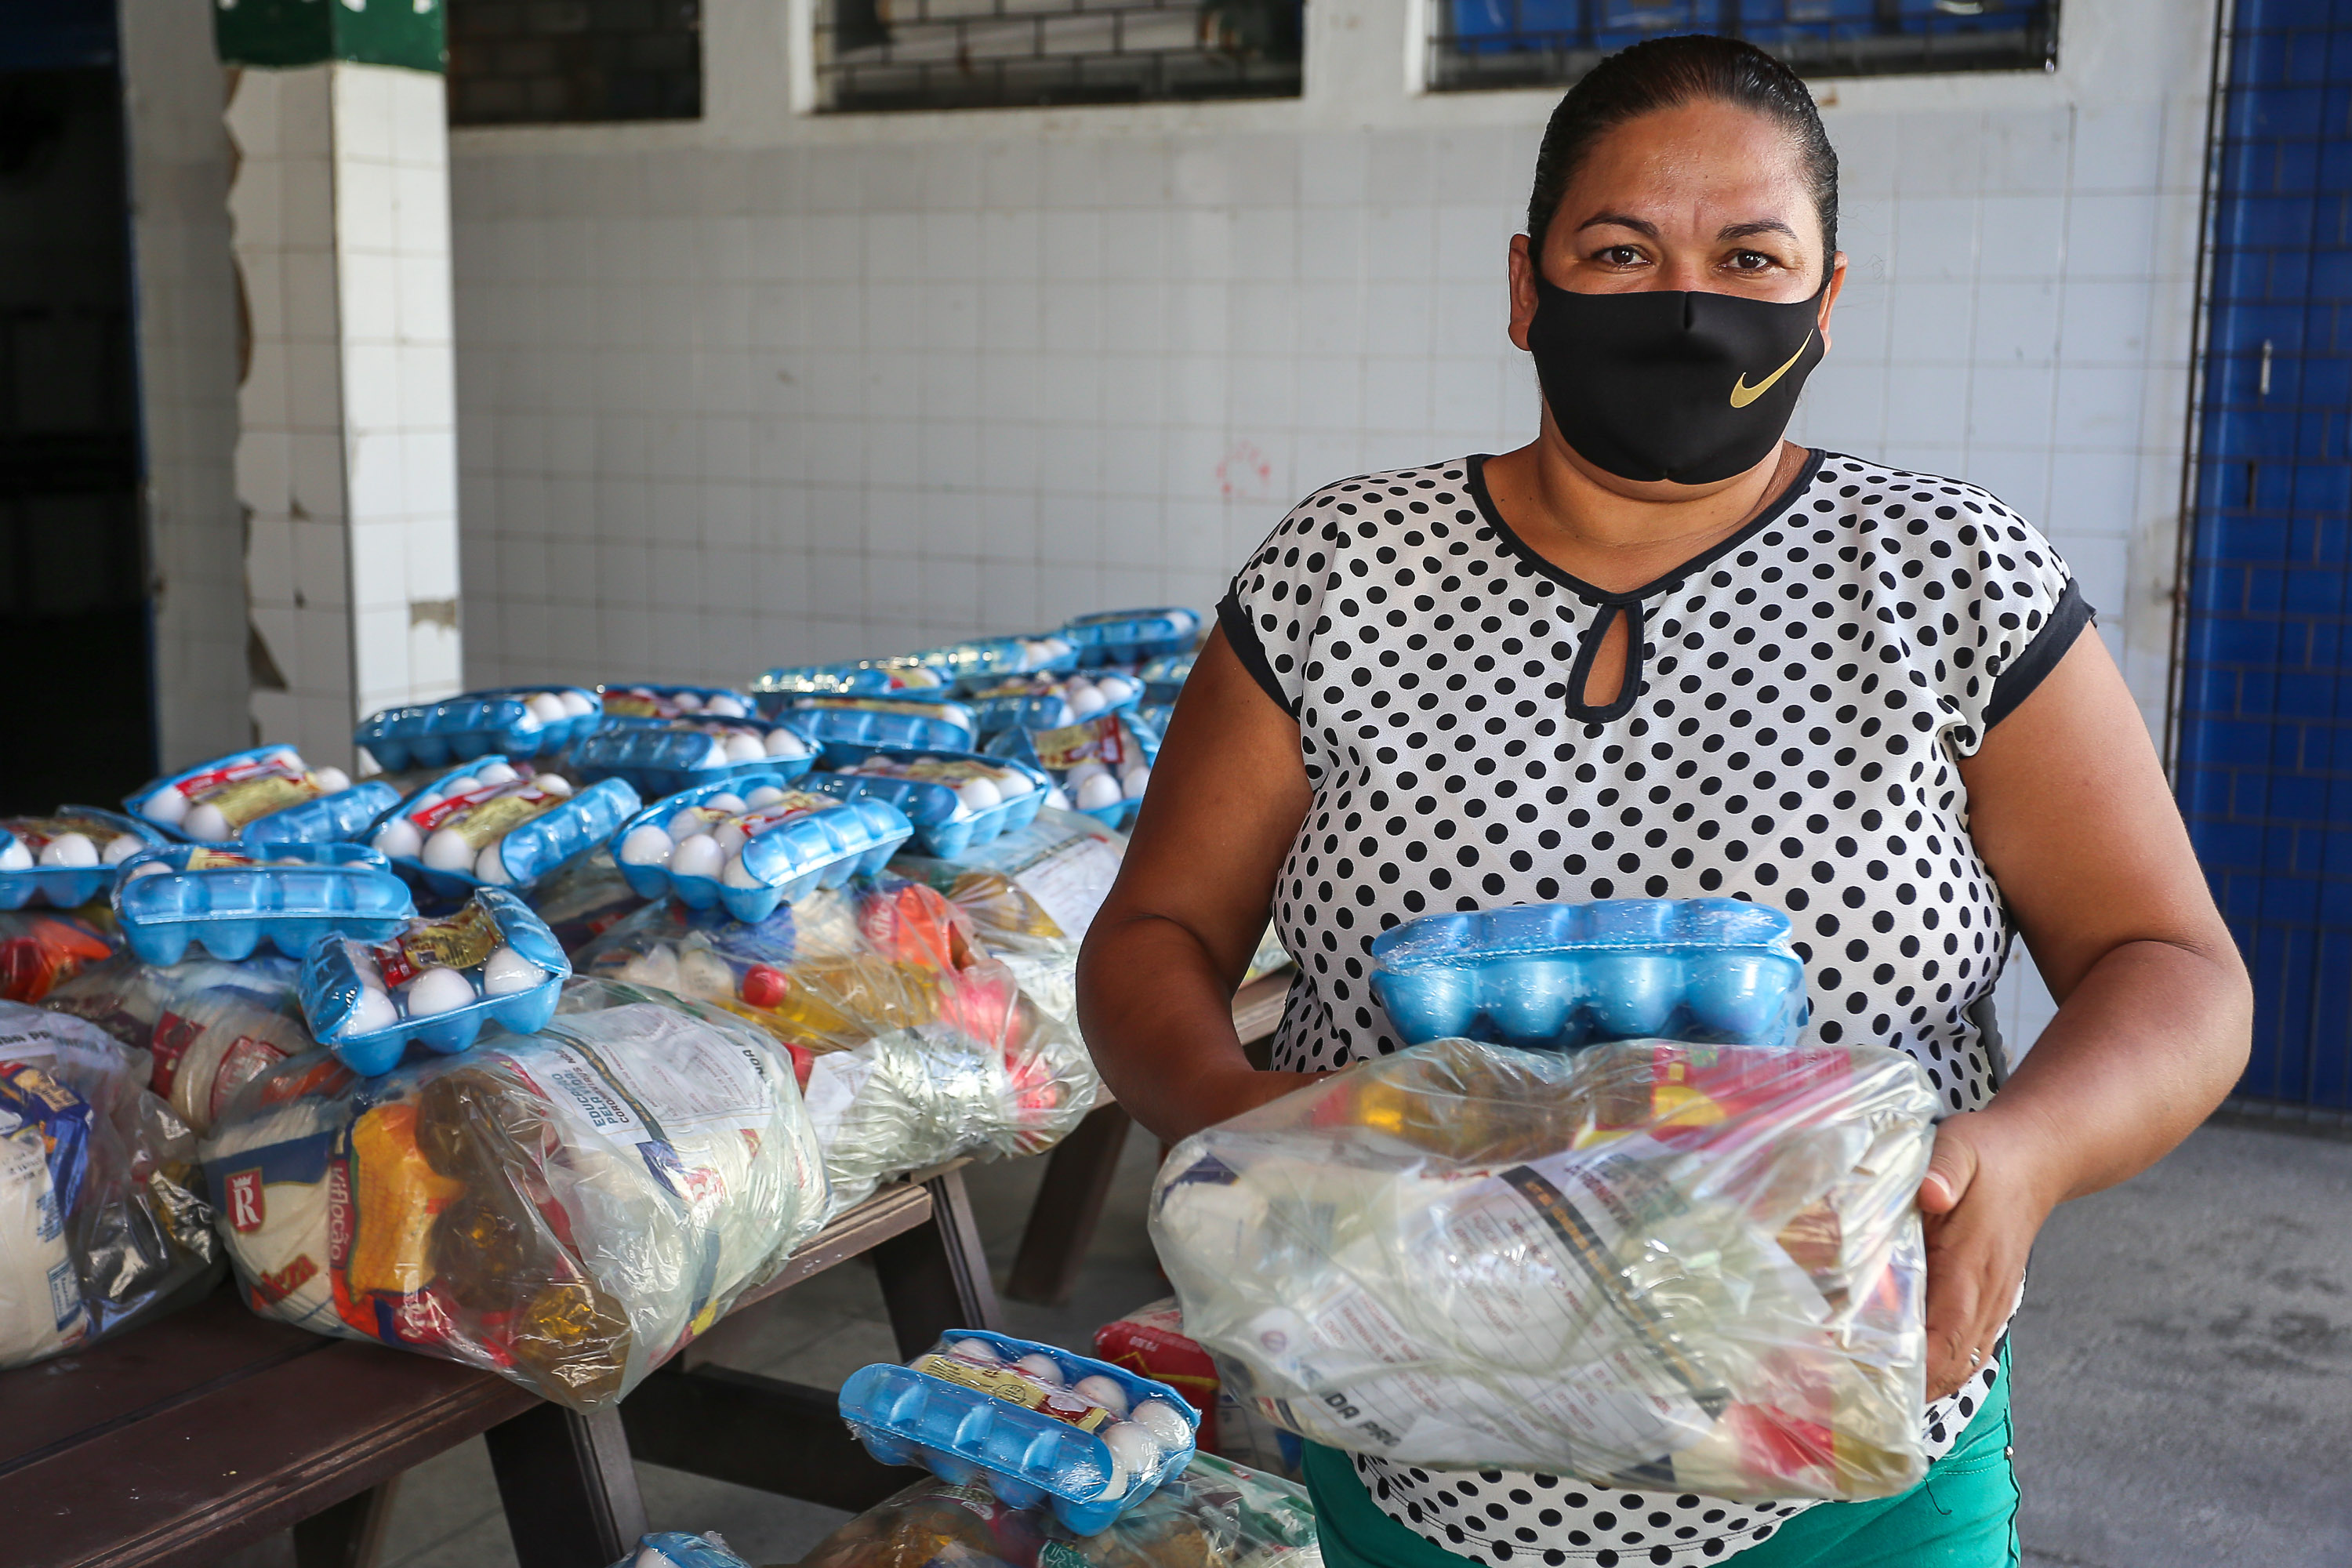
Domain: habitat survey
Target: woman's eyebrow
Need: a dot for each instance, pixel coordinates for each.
(1761, 226)
(1619, 220)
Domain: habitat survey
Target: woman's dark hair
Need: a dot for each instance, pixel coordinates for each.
(1667, 73)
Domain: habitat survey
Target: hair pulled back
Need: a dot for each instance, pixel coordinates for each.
(1667, 73)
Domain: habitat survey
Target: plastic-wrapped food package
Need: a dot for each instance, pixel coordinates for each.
(1031, 896)
(1695, 1268)
(586, 899)
(1035, 1425)
(913, 1044)
(1103, 764)
(266, 795)
(40, 951)
(565, 1208)
(676, 1548)
(101, 1220)
(209, 1027)
(439, 981)
(1151, 1341)
(1211, 1514)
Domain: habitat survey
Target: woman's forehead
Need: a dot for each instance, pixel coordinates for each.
(1710, 166)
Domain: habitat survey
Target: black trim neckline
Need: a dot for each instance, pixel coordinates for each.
(1476, 465)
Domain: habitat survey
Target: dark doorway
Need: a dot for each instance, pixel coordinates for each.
(74, 634)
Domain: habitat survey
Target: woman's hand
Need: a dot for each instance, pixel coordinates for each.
(1985, 1195)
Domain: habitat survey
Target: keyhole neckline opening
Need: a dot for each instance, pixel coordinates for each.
(1588, 652)
(1666, 580)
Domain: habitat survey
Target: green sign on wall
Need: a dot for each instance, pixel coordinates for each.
(305, 32)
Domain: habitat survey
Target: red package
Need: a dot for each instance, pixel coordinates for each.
(40, 951)
(1150, 1341)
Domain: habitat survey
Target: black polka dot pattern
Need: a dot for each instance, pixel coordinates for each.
(1797, 701)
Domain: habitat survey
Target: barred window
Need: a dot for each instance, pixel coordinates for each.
(1533, 43)
(551, 62)
(978, 54)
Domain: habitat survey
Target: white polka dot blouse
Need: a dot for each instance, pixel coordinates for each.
(1795, 704)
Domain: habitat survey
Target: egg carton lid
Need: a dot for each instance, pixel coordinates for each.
(493, 708)
(623, 693)
(349, 879)
(532, 848)
(1170, 668)
(1681, 925)
(329, 980)
(1132, 625)
(68, 816)
(861, 677)
(677, 742)
(891, 730)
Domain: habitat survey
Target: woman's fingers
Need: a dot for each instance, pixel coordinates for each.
(1950, 1171)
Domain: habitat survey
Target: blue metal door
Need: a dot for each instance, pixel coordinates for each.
(2264, 755)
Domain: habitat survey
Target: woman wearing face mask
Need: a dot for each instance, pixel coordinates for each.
(1661, 652)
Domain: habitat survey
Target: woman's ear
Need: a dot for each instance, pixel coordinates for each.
(1829, 298)
(1523, 289)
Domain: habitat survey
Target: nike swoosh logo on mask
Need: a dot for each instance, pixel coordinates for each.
(1742, 395)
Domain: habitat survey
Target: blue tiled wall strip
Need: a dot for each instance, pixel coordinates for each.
(2266, 747)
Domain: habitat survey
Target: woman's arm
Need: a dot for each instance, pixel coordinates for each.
(2070, 810)
(1169, 945)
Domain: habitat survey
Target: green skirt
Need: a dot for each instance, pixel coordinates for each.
(1963, 1514)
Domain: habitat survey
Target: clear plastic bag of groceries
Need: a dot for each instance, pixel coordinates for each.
(102, 1220)
(1664, 1265)
(913, 1044)
(1211, 1514)
(566, 1208)
(208, 1025)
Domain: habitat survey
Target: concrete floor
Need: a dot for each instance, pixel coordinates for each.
(2184, 1394)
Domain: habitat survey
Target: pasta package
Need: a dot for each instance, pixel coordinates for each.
(565, 1208)
(208, 1026)
(101, 1219)
(1666, 1265)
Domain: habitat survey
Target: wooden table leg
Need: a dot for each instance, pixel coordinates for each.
(935, 1277)
(569, 1488)
(349, 1534)
(1069, 1206)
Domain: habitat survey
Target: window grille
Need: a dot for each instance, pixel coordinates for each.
(984, 53)
(1534, 43)
(543, 62)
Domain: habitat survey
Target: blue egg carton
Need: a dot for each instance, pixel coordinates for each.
(906, 675)
(66, 887)
(1164, 677)
(1157, 715)
(943, 732)
(1039, 711)
(1132, 636)
(322, 820)
(1039, 749)
(231, 905)
(533, 849)
(1557, 976)
(663, 756)
(817, 846)
(1026, 1458)
(982, 660)
(470, 725)
(329, 991)
(944, 826)
(618, 699)
(676, 1548)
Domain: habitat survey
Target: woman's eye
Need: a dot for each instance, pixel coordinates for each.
(1622, 256)
(1751, 261)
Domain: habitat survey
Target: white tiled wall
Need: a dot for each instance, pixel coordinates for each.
(345, 459)
(776, 387)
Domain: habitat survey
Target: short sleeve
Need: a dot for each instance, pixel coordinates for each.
(2026, 607)
(1271, 613)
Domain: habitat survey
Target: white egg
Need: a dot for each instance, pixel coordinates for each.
(69, 849)
(399, 840)
(363, 965)
(373, 1011)
(725, 706)
(1115, 688)
(785, 743)
(490, 865)
(1082, 772)
(330, 781)
(168, 807)
(1083, 700)
(497, 773)
(697, 856)
(1055, 799)
(1013, 785)
(15, 857)
(766, 795)
(1097, 1389)
(646, 845)
(149, 868)
(745, 749)
(1132, 1447)
(979, 795)
(1040, 1368)
(463, 783)
(1163, 1421)
(686, 701)
(553, 784)
(437, 991)
(575, 703)
(529, 722)
(686, 824)
(430, 797)
(716, 757)
(726, 800)
(1099, 792)
(739, 875)
(1134, 782)
(549, 707)
(447, 850)
(206, 821)
(730, 838)
(121, 848)
(506, 972)
(980, 1351)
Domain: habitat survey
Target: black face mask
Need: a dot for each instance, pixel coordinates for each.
(1668, 386)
